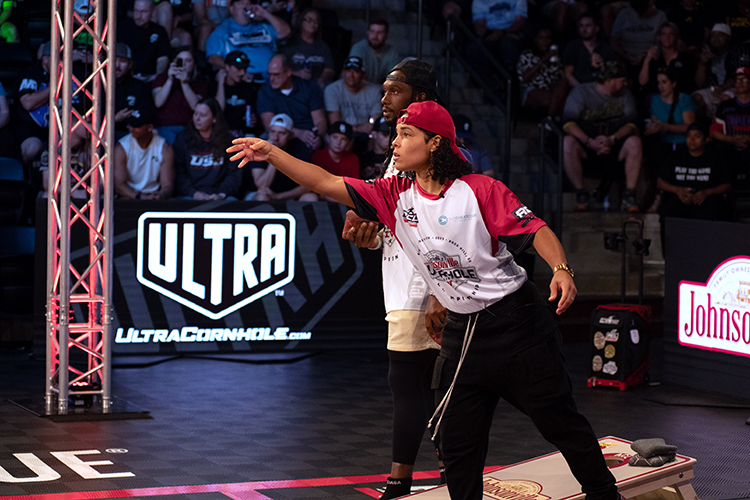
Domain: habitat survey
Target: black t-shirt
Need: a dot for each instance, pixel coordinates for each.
(684, 68)
(130, 93)
(147, 44)
(702, 172)
(577, 55)
(281, 183)
(692, 24)
(371, 165)
(238, 98)
(737, 21)
(733, 117)
(32, 80)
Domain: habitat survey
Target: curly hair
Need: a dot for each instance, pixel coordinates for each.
(220, 136)
(445, 164)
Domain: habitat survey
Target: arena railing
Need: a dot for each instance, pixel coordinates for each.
(507, 81)
(551, 138)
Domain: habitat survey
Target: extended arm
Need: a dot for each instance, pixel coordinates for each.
(311, 176)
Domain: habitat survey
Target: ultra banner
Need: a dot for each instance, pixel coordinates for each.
(238, 276)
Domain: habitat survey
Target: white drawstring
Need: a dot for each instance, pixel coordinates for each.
(468, 335)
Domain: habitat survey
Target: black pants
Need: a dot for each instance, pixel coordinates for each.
(409, 376)
(516, 354)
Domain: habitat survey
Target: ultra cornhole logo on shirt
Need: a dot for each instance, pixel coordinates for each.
(512, 490)
(448, 268)
(215, 263)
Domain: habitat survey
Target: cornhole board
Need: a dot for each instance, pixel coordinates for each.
(549, 478)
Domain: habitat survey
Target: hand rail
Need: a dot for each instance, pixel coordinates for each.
(507, 107)
(548, 126)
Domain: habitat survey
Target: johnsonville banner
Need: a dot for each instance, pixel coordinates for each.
(237, 276)
(715, 315)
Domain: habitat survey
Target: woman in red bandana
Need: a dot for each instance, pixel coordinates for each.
(500, 339)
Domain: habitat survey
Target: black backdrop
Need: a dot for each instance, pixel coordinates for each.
(335, 299)
(694, 249)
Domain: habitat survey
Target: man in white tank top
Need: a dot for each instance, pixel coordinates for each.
(144, 167)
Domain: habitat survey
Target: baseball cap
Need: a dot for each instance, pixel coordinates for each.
(354, 62)
(282, 120)
(743, 70)
(381, 126)
(463, 127)
(341, 128)
(122, 50)
(700, 125)
(237, 59)
(432, 117)
(610, 70)
(722, 28)
(417, 73)
(142, 115)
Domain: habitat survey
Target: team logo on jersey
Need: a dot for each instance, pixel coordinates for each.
(410, 217)
(448, 268)
(443, 220)
(523, 214)
(388, 237)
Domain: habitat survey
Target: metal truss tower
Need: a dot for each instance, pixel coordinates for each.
(79, 291)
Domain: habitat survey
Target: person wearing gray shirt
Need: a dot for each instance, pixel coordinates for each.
(378, 55)
(599, 119)
(352, 99)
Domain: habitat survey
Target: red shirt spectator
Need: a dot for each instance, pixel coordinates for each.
(336, 158)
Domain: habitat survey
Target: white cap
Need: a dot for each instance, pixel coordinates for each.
(723, 28)
(282, 120)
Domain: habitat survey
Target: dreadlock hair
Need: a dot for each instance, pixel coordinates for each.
(429, 94)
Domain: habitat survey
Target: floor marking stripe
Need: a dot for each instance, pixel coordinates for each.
(235, 491)
(369, 492)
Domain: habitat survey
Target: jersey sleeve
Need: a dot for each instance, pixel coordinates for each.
(374, 200)
(508, 220)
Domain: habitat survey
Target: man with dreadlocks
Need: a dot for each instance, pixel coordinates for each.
(411, 351)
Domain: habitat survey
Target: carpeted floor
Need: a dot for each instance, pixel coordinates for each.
(318, 427)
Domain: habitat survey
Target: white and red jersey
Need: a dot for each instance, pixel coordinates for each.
(460, 241)
(404, 288)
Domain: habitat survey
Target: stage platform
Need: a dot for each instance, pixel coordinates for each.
(317, 428)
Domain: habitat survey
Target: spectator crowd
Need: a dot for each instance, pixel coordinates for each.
(190, 77)
(629, 82)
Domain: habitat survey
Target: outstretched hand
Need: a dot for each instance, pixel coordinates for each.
(249, 149)
(562, 281)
